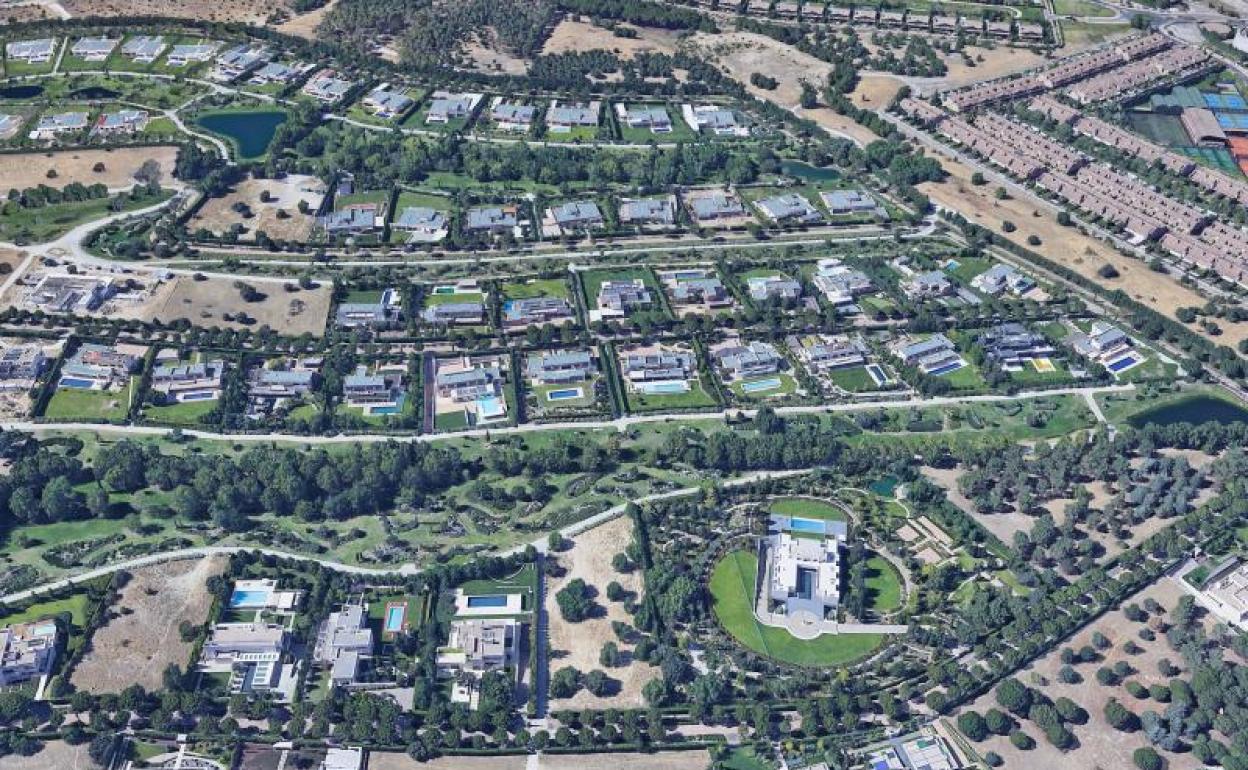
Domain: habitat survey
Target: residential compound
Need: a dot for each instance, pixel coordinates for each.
(840, 284)
(40, 51)
(695, 290)
(820, 353)
(94, 49)
(566, 118)
(801, 568)
(789, 208)
(648, 211)
(657, 368)
(1225, 592)
(343, 641)
(21, 364)
(934, 355)
(27, 650)
(470, 389)
(1107, 345)
(100, 367)
(619, 298)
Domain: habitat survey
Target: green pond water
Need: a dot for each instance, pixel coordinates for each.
(808, 172)
(885, 486)
(250, 131)
(1196, 409)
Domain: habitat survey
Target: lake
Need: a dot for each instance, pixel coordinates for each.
(1196, 409)
(250, 131)
(95, 92)
(808, 172)
(20, 92)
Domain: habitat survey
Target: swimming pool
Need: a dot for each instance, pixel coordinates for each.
(248, 598)
(76, 383)
(877, 374)
(759, 386)
(807, 525)
(200, 395)
(395, 614)
(444, 290)
(946, 369)
(491, 600)
(1123, 363)
(667, 386)
(490, 408)
(565, 394)
(952, 265)
(384, 410)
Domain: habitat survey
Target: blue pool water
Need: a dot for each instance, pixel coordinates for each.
(563, 395)
(204, 396)
(664, 387)
(74, 382)
(394, 618)
(758, 386)
(493, 600)
(807, 525)
(1122, 363)
(877, 374)
(490, 407)
(384, 410)
(952, 265)
(945, 369)
(249, 599)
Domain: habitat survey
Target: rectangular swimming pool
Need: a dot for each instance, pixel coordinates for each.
(1123, 363)
(946, 369)
(244, 599)
(667, 386)
(395, 616)
(564, 394)
(877, 374)
(76, 384)
(807, 525)
(204, 395)
(760, 386)
(491, 600)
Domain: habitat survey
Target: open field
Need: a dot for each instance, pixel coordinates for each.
(55, 754)
(135, 646)
(578, 644)
(305, 25)
(379, 761)
(1099, 744)
(659, 760)
(217, 215)
(874, 92)
(246, 11)
(29, 169)
(1066, 245)
(205, 302)
(17, 14)
(995, 63)
(572, 34)
(484, 54)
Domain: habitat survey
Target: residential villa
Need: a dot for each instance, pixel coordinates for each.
(52, 126)
(21, 364)
(843, 202)
(446, 107)
(519, 314)
(472, 387)
(927, 285)
(711, 205)
(144, 49)
(648, 211)
(492, 219)
(481, 645)
(840, 284)
(239, 61)
(569, 217)
(66, 293)
(738, 361)
(1001, 278)
(563, 118)
(802, 567)
(191, 53)
(653, 117)
(275, 72)
(121, 122)
(380, 392)
(269, 388)
(764, 288)
(821, 353)
(657, 368)
(558, 367)
(513, 118)
(177, 383)
(714, 119)
(1012, 346)
(327, 88)
(934, 355)
(27, 650)
(343, 641)
(424, 224)
(39, 51)
(387, 102)
(1108, 346)
(353, 219)
(94, 49)
(618, 298)
(97, 367)
(789, 208)
(696, 289)
(251, 653)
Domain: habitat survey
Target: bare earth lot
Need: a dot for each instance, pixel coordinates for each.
(30, 169)
(1100, 746)
(572, 34)
(55, 754)
(484, 53)
(217, 214)
(660, 760)
(997, 62)
(247, 11)
(204, 303)
(1067, 246)
(305, 25)
(578, 644)
(136, 645)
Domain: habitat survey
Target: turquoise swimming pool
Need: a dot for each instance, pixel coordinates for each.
(243, 598)
(394, 618)
(761, 386)
(660, 388)
(807, 525)
(491, 600)
(565, 394)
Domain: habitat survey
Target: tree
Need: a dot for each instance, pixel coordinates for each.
(1014, 696)
(973, 725)
(565, 682)
(1107, 271)
(1022, 741)
(1120, 717)
(597, 682)
(575, 601)
(998, 722)
(609, 656)
(1146, 758)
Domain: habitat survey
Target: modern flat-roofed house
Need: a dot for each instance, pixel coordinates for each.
(94, 49)
(384, 312)
(789, 207)
(752, 359)
(27, 650)
(1102, 342)
(9, 125)
(354, 219)
(21, 363)
(191, 53)
(839, 283)
(824, 352)
(768, 287)
(239, 61)
(1002, 277)
(455, 313)
(519, 314)
(52, 126)
(469, 380)
(446, 107)
(144, 49)
(189, 382)
(250, 652)
(696, 287)
(65, 293)
(617, 299)
(120, 122)
(933, 283)
(512, 117)
(556, 367)
(802, 566)
(657, 364)
(425, 224)
(935, 355)
(481, 645)
(386, 102)
(716, 204)
(266, 388)
(492, 219)
(648, 211)
(653, 117)
(326, 87)
(350, 758)
(841, 202)
(572, 216)
(274, 72)
(714, 119)
(361, 388)
(31, 51)
(342, 640)
(1012, 345)
(562, 118)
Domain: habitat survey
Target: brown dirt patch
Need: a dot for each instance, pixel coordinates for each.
(204, 303)
(29, 169)
(9, 260)
(874, 92)
(247, 11)
(661, 760)
(1101, 746)
(1066, 245)
(578, 644)
(136, 645)
(17, 14)
(305, 25)
(995, 63)
(573, 34)
(217, 214)
(483, 53)
(57, 754)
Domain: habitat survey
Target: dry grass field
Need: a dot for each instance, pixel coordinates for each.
(55, 754)
(246, 11)
(1100, 746)
(206, 302)
(1066, 245)
(18, 14)
(989, 63)
(874, 92)
(578, 644)
(379, 761)
(660, 760)
(305, 25)
(29, 169)
(573, 34)
(10, 259)
(141, 638)
(217, 214)
(482, 53)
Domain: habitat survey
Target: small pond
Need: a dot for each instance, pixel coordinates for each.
(95, 92)
(251, 131)
(20, 92)
(1196, 409)
(809, 173)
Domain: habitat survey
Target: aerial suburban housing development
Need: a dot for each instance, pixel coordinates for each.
(583, 384)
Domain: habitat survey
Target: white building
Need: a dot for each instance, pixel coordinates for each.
(803, 566)
(94, 49)
(481, 645)
(31, 51)
(27, 650)
(343, 640)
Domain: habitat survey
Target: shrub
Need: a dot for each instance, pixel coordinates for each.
(1022, 741)
(575, 601)
(973, 725)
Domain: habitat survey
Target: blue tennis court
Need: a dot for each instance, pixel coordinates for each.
(1232, 121)
(1225, 102)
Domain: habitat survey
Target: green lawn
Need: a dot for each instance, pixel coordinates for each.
(807, 508)
(522, 581)
(696, 396)
(731, 589)
(1080, 8)
(883, 585)
(535, 287)
(852, 378)
(968, 268)
(184, 413)
(787, 385)
(75, 605)
(966, 378)
(39, 225)
(81, 404)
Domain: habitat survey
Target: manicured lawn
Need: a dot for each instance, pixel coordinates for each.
(535, 287)
(966, 378)
(883, 585)
(968, 268)
(457, 420)
(806, 508)
(82, 404)
(852, 378)
(746, 758)
(38, 225)
(731, 588)
(523, 581)
(541, 394)
(787, 385)
(185, 413)
(75, 605)
(696, 396)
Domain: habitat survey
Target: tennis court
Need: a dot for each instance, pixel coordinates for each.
(1214, 157)
(1225, 102)
(1232, 121)
(1164, 129)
